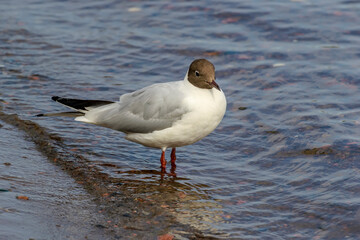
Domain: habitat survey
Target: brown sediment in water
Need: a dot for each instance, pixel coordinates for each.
(130, 214)
(326, 150)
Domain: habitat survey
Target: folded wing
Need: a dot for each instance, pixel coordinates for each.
(149, 109)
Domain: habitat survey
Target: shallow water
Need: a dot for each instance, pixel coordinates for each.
(284, 161)
(37, 199)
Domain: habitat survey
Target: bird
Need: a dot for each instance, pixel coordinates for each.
(162, 115)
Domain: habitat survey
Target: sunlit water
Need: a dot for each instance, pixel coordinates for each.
(284, 161)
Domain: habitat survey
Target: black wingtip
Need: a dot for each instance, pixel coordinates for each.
(55, 98)
(39, 115)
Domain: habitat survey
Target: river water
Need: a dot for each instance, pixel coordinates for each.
(284, 162)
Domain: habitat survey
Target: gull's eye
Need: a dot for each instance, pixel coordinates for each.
(197, 73)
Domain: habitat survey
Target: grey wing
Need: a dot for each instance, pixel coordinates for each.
(149, 109)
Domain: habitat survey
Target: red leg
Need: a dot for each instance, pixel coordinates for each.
(163, 162)
(173, 158)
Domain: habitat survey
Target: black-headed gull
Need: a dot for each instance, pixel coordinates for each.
(163, 115)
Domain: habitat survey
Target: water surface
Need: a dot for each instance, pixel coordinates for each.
(283, 164)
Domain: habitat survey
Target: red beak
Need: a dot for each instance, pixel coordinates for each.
(215, 85)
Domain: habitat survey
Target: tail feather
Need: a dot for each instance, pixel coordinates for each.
(80, 106)
(61, 114)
